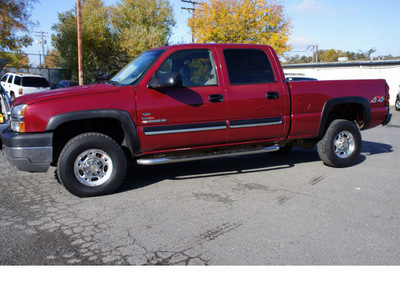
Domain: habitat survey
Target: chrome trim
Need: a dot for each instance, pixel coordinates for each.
(175, 159)
(185, 130)
(256, 124)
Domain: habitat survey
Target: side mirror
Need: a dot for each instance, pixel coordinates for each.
(168, 80)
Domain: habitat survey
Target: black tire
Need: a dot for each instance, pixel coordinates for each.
(12, 97)
(91, 164)
(397, 104)
(341, 145)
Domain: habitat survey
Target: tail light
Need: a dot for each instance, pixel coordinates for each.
(20, 92)
(387, 95)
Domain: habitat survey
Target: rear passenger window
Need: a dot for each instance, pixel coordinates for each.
(248, 66)
(17, 80)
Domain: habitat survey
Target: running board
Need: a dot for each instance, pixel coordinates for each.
(176, 159)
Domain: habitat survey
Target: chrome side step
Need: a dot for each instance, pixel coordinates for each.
(175, 159)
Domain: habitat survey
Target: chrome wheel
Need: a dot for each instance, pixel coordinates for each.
(344, 144)
(397, 104)
(93, 167)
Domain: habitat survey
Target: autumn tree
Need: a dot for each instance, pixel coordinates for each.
(52, 59)
(14, 20)
(241, 21)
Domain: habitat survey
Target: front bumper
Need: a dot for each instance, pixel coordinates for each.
(32, 152)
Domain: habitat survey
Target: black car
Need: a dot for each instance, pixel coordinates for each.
(64, 84)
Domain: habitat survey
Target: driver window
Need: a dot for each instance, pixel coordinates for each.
(196, 67)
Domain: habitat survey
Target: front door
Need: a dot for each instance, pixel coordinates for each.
(189, 116)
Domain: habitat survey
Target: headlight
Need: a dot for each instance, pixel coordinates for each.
(18, 117)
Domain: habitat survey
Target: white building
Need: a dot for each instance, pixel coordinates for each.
(388, 70)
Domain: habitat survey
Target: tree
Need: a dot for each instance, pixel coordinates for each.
(14, 18)
(241, 21)
(142, 24)
(296, 59)
(111, 35)
(330, 55)
(97, 41)
(52, 59)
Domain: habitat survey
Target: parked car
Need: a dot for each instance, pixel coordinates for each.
(18, 84)
(397, 103)
(64, 84)
(189, 102)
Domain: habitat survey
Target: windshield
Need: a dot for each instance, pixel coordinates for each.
(135, 70)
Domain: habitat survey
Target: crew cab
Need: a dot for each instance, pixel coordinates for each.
(188, 102)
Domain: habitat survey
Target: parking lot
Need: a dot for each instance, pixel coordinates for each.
(268, 209)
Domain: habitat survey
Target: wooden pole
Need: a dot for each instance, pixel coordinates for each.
(79, 29)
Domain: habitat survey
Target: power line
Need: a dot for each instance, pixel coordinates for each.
(191, 9)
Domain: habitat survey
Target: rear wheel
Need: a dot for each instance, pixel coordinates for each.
(341, 145)
(91, 164)
(397, 104)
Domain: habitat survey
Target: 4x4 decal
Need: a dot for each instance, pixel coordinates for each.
(379, 99)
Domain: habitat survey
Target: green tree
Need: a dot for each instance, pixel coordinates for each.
(109, 36)
(14, 20)
(296, 59)
(241, 21)
(142, 24)
(99, 49)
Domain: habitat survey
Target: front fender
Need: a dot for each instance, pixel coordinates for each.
(129, 127)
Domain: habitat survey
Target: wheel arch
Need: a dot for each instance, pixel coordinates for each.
(350, 108)
(116, 123)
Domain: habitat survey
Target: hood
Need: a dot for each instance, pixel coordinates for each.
(3, 62)
(67, 92)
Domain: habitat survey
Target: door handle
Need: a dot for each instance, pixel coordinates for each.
(216, 98)
(272, 95)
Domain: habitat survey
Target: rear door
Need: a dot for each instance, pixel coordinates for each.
(190, 116)
(258, 102)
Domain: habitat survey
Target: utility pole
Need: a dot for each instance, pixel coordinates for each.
(42, 41)
(79, 30)
(314, 52)
(191, 9)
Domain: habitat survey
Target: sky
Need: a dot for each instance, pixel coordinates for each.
(348, 25)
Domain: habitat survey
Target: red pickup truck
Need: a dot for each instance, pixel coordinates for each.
(188, 102)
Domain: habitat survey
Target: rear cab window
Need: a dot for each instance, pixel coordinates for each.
(4, 78)
(248, 66)
(28, 81)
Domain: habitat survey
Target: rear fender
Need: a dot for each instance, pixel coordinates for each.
(332, 103)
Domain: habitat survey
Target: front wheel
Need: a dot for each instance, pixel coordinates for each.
(397, 104)
(341, 145)
(91, 164)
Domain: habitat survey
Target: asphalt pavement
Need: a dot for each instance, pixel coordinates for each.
(267, 209)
